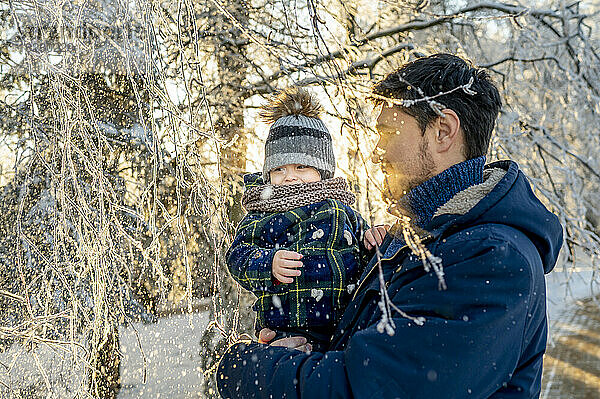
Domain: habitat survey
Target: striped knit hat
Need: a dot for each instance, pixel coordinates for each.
(297, 135)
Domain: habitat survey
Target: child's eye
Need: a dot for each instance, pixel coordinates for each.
(301, 167)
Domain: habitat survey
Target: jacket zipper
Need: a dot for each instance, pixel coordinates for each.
(427, 237)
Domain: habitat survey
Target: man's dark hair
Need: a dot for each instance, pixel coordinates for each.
(442, 73)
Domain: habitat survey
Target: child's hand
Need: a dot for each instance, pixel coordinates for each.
(265, 336)
(375, 235)
(285, 264)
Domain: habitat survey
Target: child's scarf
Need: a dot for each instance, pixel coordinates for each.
(270, 198)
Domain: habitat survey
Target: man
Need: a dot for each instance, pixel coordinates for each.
(485, 334)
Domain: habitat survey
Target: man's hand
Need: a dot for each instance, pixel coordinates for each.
(298, 343)
(285, 264)
(375, 235)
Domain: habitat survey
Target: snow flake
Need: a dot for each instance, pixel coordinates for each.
(318, 234)
(432, 375)
(277, 303)
(266, 193)
(350, 288)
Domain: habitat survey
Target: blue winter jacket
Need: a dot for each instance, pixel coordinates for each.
(484, 336)
(329, 235)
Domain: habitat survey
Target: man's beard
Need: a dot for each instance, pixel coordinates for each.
(426, 168)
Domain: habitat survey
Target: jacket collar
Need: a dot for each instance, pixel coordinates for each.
(422, 202)
(462, 205)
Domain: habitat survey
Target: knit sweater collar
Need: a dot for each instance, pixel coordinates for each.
(422, 202)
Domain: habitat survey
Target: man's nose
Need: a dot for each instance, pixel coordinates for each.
(377, 154)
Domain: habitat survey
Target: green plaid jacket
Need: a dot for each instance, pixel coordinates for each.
(329, 235)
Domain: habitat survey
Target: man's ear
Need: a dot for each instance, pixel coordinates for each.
(448, 133)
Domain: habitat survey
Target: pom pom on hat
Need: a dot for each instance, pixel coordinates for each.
(291, 101)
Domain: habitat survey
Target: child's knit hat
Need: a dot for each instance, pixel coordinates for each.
(297, 135)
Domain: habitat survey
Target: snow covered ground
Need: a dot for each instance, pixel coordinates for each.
(172, 350)
(564, 289)
(566, 286)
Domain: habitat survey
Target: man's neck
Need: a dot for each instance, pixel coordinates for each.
(422, 201)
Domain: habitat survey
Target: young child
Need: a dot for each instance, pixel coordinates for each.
(301, 248)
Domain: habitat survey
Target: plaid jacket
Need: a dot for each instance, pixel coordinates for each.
(328, 233)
